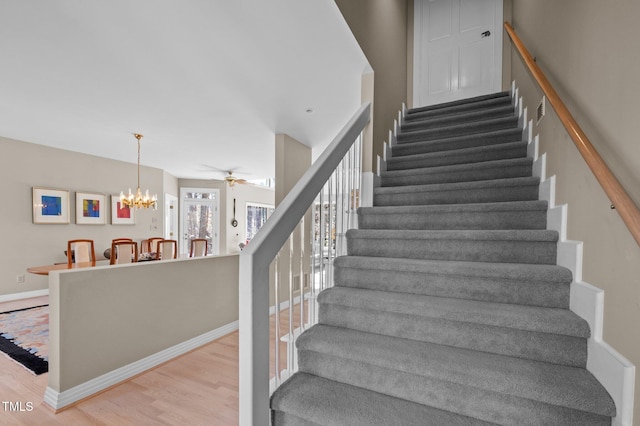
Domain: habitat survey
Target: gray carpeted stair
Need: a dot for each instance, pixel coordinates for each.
(506, 215)
(449, 308)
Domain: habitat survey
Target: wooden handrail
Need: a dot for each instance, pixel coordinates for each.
(624, 205)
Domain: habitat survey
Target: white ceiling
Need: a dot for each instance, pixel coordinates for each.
(207, 82)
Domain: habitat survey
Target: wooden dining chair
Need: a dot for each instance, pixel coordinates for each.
(150, 245)
(199, 247)
(115, 240)
(167, 249)
(124, 252)
(80, 251)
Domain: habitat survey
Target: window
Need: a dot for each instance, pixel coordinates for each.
(257, 215)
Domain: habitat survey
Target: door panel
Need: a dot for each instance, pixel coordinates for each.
(440, 72)
(440, 20)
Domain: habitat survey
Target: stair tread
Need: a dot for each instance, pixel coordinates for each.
(552, 273)
(448, 208)
(445, 144)
(328, 402)
(440, 120)
(474, 126)
(501, 95)
(457, 234)
(569, 387)
(521, 317)
(491, 183)
(454, 168)
(456, 152)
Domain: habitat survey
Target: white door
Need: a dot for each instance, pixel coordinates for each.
(200, 218)
(457, 49)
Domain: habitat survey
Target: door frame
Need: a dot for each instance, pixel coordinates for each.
(215, 243)
(171, 221)
(417, 49)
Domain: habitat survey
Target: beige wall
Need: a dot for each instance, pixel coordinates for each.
(243, 194)
(105, 318)
(293, 159)
(380, 27)
(588, 49)
(25, 165)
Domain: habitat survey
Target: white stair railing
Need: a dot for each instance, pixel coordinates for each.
(331, 190)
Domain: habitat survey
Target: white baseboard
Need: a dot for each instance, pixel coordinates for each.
(612, 370)
(24, 295)
(285, 305)
(58, 400)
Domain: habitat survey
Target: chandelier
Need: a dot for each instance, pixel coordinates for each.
(137, 200)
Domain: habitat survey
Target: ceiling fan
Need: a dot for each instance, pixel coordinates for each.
(232, 180)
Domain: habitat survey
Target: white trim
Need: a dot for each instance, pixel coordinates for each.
(58, 400)
(609, 367)
(170, 221)
(24, 295)
(285, 305)
(369, 181)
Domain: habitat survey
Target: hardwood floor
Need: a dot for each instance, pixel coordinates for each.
(198, 388)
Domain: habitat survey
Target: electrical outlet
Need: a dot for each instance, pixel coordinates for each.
(20, 278)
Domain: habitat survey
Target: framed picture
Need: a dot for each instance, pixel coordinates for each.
(120, 214)
(91, 209)
(50, 205)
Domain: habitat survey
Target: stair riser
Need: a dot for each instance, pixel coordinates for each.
(536, 346)
(278, 418)
(452, 158)
(473, 141)
(476, 102)
(324, 402)
(458, 176)
(415, 115)
(415, 124)
(481, 195)
(478, 403)
(453, 131)
(497, 290)
(509, 251)
(455, 220)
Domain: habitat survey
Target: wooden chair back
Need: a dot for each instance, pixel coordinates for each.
(115, 240)
(80, 251)
(124, 252)
(167, 249)
(150, 245)
(199, 247)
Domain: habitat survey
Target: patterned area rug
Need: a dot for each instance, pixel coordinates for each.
(24, 337)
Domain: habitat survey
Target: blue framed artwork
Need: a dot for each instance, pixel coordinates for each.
(91, 209)
(50, 206)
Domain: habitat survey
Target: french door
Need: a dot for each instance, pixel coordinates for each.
(200, 218)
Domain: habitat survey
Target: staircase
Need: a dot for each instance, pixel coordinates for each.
(449, 308)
